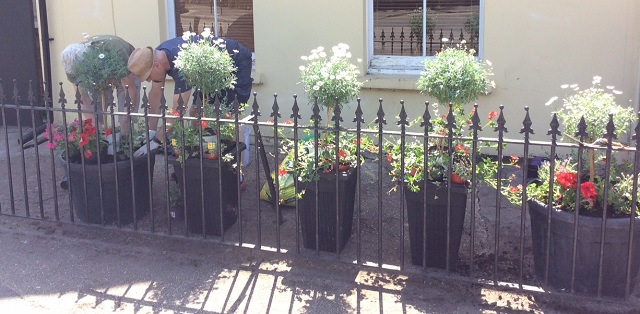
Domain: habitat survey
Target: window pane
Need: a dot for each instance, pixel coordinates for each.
(398, 25)
(235, 18)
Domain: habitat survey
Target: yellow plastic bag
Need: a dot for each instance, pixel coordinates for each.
(287, 189)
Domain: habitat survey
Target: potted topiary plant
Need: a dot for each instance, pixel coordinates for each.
(329, 158)
(205, 150)
(568, 194)
(453, 77)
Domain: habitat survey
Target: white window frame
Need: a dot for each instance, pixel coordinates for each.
(381, 64)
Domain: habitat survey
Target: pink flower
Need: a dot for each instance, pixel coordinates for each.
(51, 145)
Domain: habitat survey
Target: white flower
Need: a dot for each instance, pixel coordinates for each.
(185, 45)
(617, 92)
(489, 63)
(348, 54)
(186, 35)
(596, 80)
(101, 56)
(320, 48)
(316, 87)
(323, 54)
(564, 86)
(206, 32)
(304, 58)
(301, 68)
(551, 100)
(359, 60)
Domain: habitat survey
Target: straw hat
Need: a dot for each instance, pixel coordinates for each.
(141, 63)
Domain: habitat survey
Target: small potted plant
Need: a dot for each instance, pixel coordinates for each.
(330, 81)
(206, 65)
(97, 175)
(590, 112)
(454, 77)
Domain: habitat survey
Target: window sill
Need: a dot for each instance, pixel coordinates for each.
(257, 77)
(393, 81)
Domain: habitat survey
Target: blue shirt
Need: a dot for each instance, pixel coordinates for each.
(241, 57)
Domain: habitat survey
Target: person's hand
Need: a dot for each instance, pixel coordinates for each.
(111, 149)
(152, 146)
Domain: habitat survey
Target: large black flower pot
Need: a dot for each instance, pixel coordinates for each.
(118, 206)
(192, 191)
(436, 223)
(616, 248)
(327, 213)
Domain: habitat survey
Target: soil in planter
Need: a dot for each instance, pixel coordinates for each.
(436, 223)
(326, 213)
(118, 206)
(588, 251)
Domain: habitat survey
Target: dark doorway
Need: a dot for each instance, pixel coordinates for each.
(20, 58)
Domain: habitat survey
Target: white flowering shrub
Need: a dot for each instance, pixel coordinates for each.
(99, 71)
(205, 63)
(332, 79)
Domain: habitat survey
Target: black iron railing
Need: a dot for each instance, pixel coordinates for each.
(495, 247)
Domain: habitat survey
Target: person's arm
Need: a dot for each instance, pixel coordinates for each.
(244, 80)
(129, 81)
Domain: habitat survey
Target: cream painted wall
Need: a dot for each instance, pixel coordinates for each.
(535, 46)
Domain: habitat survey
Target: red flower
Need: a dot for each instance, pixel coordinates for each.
(107, 132)
(460, 147)
(389, 159)
(282, 171)
(87, 154)
(588, 190)
(84, 139)
(288, 122)
(227, 115)
(342, 154)
(203, 124)
(513, 189)
(492, 115)
(567, 179)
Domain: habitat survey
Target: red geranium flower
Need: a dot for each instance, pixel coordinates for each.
(492, 115)
(203, 124)
(87, 154)
(282, 171)
(107, 132)
(588, 190)
(342, 154)
(567, 179)
(84, 139)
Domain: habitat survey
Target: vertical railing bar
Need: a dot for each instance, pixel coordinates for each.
(275, 114)
(63, 103)
(475, 127)
(183, 163)
(316, 121)
(358, 120)
(165, 154)
(526, 130)
(336, 118)
(47, 105)
(554, 132)
(31, 99)
(610, 135)
(115, 163)
(255, 113)
(99, 121)
(16, 99)
(78, 103)
(574, 250)
(403, 139)
(296, 116)
(145, 111)
(217, 104)
(450, 148)
(501, 130)
(240, 175)
(380, 121)
(199, 105)
(426, 123)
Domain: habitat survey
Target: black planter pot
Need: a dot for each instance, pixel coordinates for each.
(588, 250)
(436, 223)
(327, 213)
(210, 214)
(91, 213)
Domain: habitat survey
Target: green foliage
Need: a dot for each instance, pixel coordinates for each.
(455, 76)
(595, 105)
(416, 22)
(206, 64)
(99, 70)
(332, 79)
